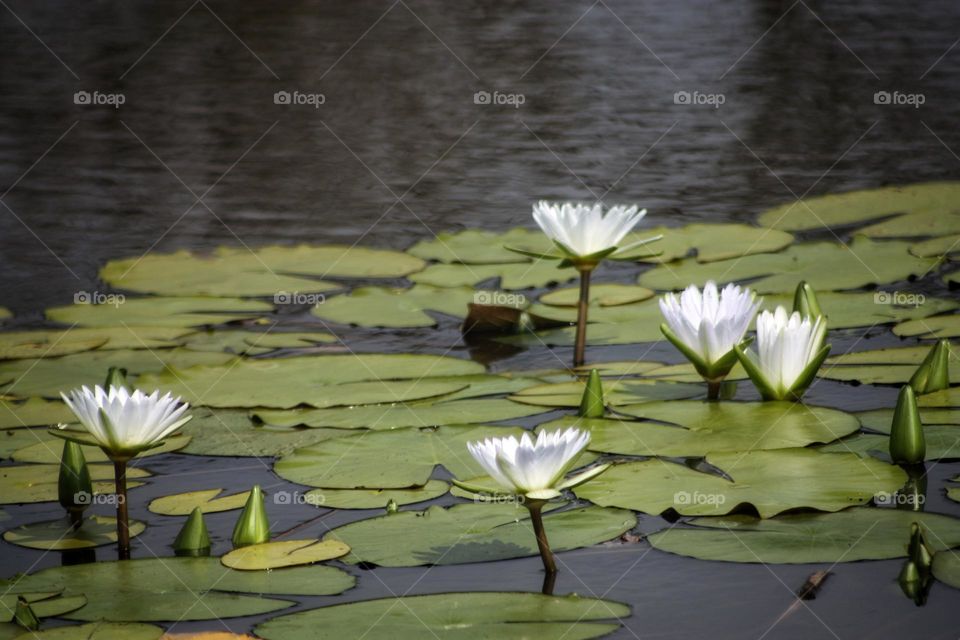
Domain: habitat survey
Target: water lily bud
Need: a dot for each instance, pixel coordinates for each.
(74, 488)
(912, 583)
(193, 539)
(591, 404)
(933, 374)
(918, 551)
(252, 526)
(24, 615)
(117, 377)
(907, 443)
(805, 301)
(392, 507)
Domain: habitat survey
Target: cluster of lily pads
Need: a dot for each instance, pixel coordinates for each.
(774, 480)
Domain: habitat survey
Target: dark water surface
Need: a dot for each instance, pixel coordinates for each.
(199, 155)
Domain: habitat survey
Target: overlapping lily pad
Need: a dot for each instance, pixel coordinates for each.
(944, 398)
(846, 536)
(156, 589)
(46, 448)
(59, 535)
(394, 307)
(942, 442)
(603, 295)
(845, 310)
(50, 343)
(474, 246)
(44, 605)
(38, 482)
(160, 312)
(825, 265)
(473, 533)
(880, 420)
(946, 568)
(937, 247)
(770, 481)
(375, 498)
(449, 616)
(222, 432)
(33, 412)
(207, 500)
(883, 366)
(936, 327)
(100, 631)
(522, 275)
(255, 343)
(616, 393)
(711, 242)
(284, 553)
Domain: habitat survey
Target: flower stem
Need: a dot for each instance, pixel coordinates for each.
(123, 522)
(713, 389)
(545, 554)
(582, 307)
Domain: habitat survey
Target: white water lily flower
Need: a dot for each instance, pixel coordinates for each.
(706, 326)
(125, 423)
(533, 468)
(584, 231)
(790, 350)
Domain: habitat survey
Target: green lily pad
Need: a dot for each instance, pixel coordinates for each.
(99, 631)
(860, 206)
(686, 372)
(880, 420)
(285, 553)
(615, 393)
(357, 461)
(473, 533)
(375, 498)
(689, 428)
(49, 376)
(38, 482)
(254, 343)
(473, 246)
(13, 439)
(207, 500)
(846, 310)
(395, 416)
(846, 536)
(604, 295)
(448, 616)
(712, 242)
(47, 343)
(620, 369)
(944, 398)
(5, 313)
(395, 308)
(44, 605)
(10, 350)
(34, 412)
(58, 535)
(942, 442)
(936, 327)
(522, 275)
(156, 589)
(913, 225)
(953, 493)
(232, 433)
(825, 265)
(47, 449)
(160, 312)
(946, 568)
(883, 366)
(936, 247)
(770, 481)
(318, 381)
(952, 278)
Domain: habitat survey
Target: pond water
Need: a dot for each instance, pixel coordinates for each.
(199, 155)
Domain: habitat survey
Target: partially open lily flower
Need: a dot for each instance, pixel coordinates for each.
(124, 423)
(706, 326)
(790, 350)
(583, 232)
(531, 468)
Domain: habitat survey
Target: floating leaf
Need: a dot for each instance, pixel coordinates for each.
(207, 500)
(44, 605)
(156, 589)
(936, 327)
(319, 381)
(846, 310)
(473, 533)
(712, 242)
(846, 536)
(254, 343)
(34, 412)
(10, 350)
(946, 568)
(825, 265)
(686, 372)
(165, 312)
(59, 535)
(375, 498)
(357, 461)
(506, 616)
(511, 276)
(395, 308)
(616, 393)
(473, 246)
(604, 295)
(944, 398)
(942, 442)
(936, 247)
(920, 224)
(100, 631)
(233, 433)
(38, 482)
(771, 481)
(45, 448)
(880, 420)
(286, 553)
(882, 366)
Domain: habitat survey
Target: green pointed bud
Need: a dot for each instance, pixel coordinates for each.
(907, 444)
(74, 489)
(910, 580)
(252, 526)
(193, 539)
(24, 615)
(805, 301)
(591, 404)
(933, 374)
(918, 551)
(117, 377)
(392, 507)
